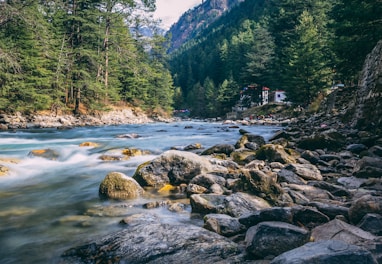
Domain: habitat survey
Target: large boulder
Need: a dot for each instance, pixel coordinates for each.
(273, 238)
(174, 167)
(372, 223)
(144, 239)
(326, 252)
(117, 185)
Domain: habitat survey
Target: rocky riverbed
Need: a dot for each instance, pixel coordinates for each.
(311, 194)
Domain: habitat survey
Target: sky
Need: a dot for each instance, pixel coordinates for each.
(169, 11)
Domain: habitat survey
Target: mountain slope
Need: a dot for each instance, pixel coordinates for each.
(195, 20)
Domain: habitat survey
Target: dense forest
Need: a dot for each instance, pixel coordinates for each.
(80, 55)
(300, 46)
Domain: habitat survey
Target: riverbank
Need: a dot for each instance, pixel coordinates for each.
(115, 116)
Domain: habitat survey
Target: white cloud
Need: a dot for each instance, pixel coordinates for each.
(169, 11)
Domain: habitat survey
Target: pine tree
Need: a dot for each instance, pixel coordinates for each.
(307, 72)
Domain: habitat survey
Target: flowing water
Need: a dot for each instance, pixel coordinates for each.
(48, 206)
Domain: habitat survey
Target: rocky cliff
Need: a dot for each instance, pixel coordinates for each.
(194, 20)
(367, 105)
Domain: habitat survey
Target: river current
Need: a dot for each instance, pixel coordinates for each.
(48, 206)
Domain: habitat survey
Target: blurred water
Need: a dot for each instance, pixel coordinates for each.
(48, 206)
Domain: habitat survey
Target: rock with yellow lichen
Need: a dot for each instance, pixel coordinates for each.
(44, 153)
(117, 185)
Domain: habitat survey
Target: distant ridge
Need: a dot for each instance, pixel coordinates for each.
(197, 19)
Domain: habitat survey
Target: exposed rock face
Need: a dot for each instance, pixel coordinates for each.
(145, 240)
(368, 103)
(191, 22)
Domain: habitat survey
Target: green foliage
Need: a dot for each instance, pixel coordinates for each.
(358, 26)
(299, 46)
(79, 54)
(307, 72)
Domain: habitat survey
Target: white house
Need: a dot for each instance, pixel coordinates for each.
(265, 95)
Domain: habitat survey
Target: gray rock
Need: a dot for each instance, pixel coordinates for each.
(351, 182)
(222, 224)
(289, 176)
(217, 189)
(308, 216)
(331, 210)
(208, 179)
(269, 239)
(310, 192)
(335, 190)
(368, 167)
(173, 167)
(306, 171)
(145, 240)
(219, 149)
(234, 205)
(376, 151)
(339, 230)
(329, 157)
(372, 223)
(356, 148)
(280, 214)
(195, 189)
(326, 252)
(310, 156)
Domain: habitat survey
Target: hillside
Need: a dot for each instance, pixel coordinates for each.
(267, 44)
(197, 19)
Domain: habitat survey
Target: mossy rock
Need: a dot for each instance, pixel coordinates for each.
(243, 156)
(275, 153)
(117, 185)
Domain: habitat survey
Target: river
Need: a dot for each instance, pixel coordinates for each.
(48, 206)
